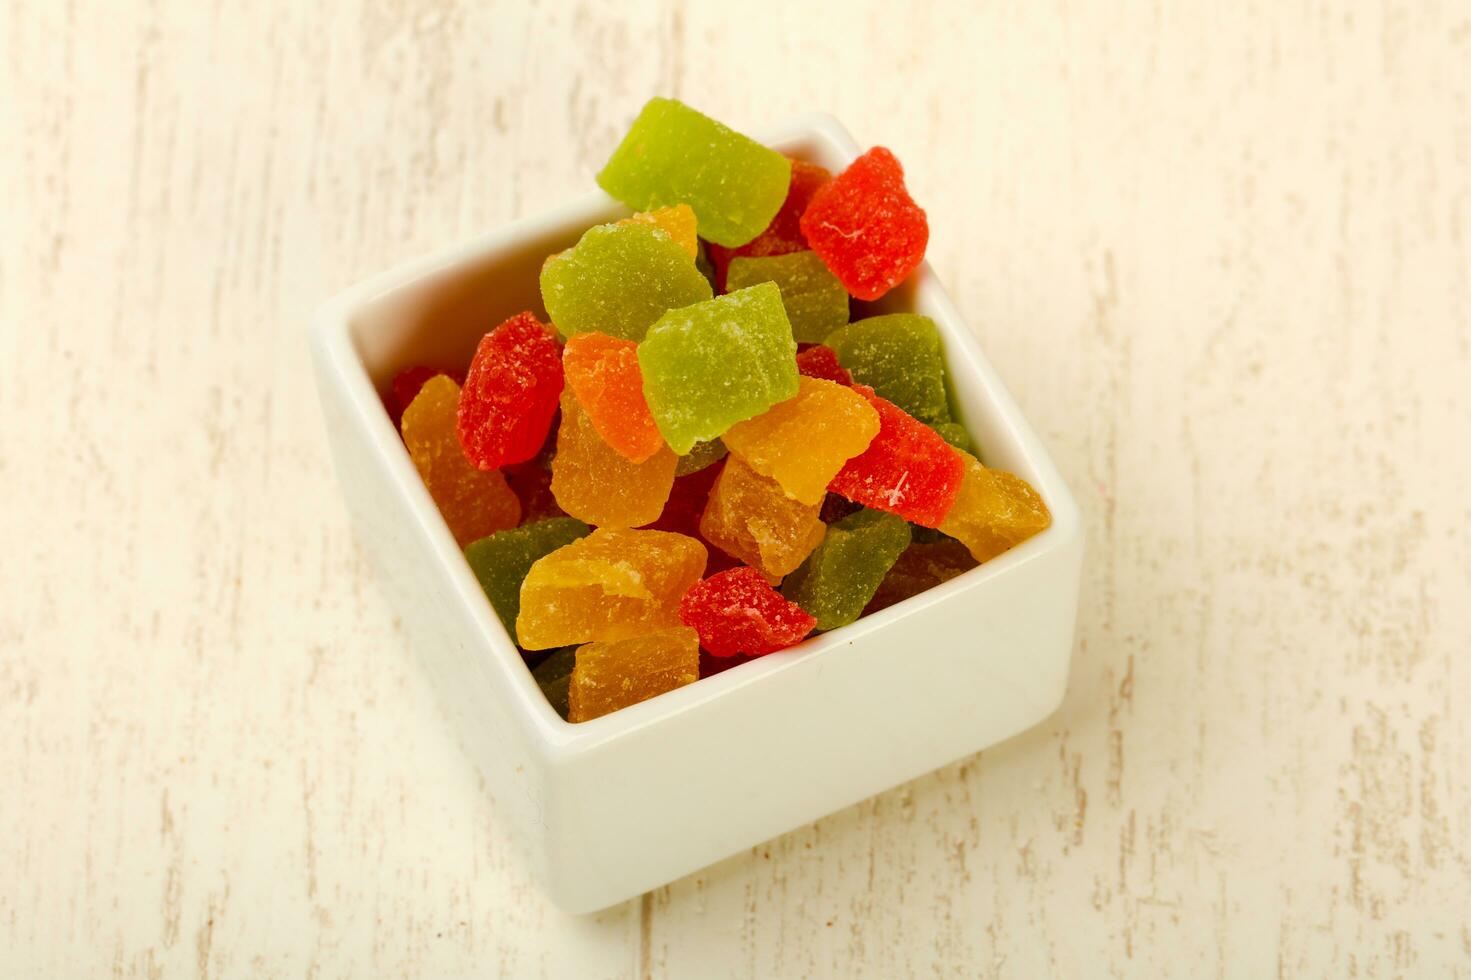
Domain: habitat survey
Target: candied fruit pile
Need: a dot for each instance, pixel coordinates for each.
(695, 455)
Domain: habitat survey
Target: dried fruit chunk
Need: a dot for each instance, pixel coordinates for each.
(803, 442)
(752, 518)
(907, 470)
(737, 612)
(595, 483)
(815, 301)
(610, 585)
(784, 234)
(675, 155)
(866, 227)
(994, 511)
(613, 674)
(603, 372)
(473, 502)
(501, 560)
(716, 363)
(821, 362)
(510, 394)
(899, 357)
(618, 279)
(840, 577)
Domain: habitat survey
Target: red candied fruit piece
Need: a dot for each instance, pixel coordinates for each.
(819, 361)
(737, 612)
(510, 393)
(406, 385)
(866, 227)
(907, 470)
(784, 235)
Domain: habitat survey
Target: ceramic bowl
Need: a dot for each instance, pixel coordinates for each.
(610, 808)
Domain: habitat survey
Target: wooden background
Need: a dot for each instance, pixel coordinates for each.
(1219, 252)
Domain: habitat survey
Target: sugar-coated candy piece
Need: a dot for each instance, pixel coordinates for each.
(898, 356)
(675, 155)
(603, 372)
(955, 434)
(784, 234)
(803, 442)
(921, 567)
(700, 456)
(994, 511)
(610, 585)
(840, 577)
(907, 470)
(820, 361)
(553, 675)
(752, 518)
(612, 674)
(738, 612)
(595, 483)
(510, 394)
(866, 227)
(618, 279)
(473, 502)
(501, 560)
(716, 363)
(816, 303)
(531, 482)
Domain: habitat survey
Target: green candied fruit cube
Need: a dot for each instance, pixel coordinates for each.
(502, 560)
(675, 155)
(554, 676)
(618, 279)
(711, 365)
(955, 434)
(842, 575)
(897, 355)
(816, 302)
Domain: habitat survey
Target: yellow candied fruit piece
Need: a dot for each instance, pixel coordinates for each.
(753, 519)
(994, 511)
(598, 485)
(473, 502)
(613, 674)
(803, 442)
(611, 585)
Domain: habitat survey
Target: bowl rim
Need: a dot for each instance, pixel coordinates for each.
(332, 343)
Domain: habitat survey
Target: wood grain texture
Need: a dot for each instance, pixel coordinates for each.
(1220, 254)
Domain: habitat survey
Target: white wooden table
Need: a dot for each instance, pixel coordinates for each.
(1221, 256)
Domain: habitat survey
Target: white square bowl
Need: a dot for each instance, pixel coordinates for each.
(612, 807)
